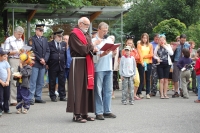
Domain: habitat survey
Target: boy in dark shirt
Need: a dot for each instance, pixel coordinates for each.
(22, 78)
(185, 72)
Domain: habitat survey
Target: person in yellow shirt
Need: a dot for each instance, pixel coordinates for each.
(145, 50)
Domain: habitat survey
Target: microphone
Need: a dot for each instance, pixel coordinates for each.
(105, 36)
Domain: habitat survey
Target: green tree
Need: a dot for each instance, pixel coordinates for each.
(142, 17)
(193, 34)
(146, 14)
(171, 28)
(187, 11)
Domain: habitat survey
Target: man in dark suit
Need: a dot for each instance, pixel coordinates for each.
(40, 48)
(56, 65)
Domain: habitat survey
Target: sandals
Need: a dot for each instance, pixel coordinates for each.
(79, 119)
(166, 97)
(88, 118)
(137, 98)
(162, 97)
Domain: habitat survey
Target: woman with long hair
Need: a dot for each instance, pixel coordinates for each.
(145, 50)
(162, 54)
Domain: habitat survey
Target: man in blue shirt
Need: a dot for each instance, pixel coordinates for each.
(103, 75)
(154, 76)
(177, 54)
(68, 55)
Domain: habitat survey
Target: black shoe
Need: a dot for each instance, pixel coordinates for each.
(152, 94)
(175, 95)
(53, 99)
(100, 117)
(181, 92)
(32, 103)
(40, 101)
(63, 99)
(7, 112)
(110, 115)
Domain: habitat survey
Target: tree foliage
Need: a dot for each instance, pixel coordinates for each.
(171, 28)
(146, 14)
(193, 33)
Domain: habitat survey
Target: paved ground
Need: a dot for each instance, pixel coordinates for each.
(146, 116)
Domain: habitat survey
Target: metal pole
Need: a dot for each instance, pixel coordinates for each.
(90, 29)
(28, 30)
(122, 29)
(13, 19)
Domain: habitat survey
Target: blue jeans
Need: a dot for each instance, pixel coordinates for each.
(198, 86)
(103, 92)
(36, 83)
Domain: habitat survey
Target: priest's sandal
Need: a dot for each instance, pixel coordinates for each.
(79, 119)
(88, 118)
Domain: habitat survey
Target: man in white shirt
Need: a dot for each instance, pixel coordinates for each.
(13, 44)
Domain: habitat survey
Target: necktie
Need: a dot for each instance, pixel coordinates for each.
(58, 46)
(40, 38)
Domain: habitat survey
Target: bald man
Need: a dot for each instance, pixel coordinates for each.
(81, 75)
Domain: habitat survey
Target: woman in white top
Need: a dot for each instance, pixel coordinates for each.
(162, 54)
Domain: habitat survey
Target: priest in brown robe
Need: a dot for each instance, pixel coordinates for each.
(81, 75)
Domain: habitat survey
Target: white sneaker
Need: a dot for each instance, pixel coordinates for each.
(148, 96)
(25, 111)
(57, 94)
(19, 111)
(141, 96)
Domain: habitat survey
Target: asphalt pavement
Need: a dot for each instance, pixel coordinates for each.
(155, 115)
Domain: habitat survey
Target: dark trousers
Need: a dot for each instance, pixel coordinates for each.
(52, 83)
(67, 73)
(23, 97)
(147, 76)
(4, 98)
(154, 79)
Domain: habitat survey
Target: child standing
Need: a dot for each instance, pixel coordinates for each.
(197, 69)
(4, 83)
(127, 71)
(23, 87)
(135, 54)
(185, 71)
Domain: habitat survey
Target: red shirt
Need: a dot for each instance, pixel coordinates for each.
(197, 66)
(133, 53)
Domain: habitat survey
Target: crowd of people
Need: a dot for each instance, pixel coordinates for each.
(92, 74)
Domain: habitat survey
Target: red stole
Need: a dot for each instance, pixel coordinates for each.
(89, 60)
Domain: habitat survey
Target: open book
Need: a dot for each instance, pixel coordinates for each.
(110, 46)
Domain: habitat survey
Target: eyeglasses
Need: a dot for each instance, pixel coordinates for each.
(85, 24)
(104, 31)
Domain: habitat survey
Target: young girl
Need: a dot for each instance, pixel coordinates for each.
(197, 69)
(134, 53)
(185, 71)
(127, 71)
(145, 50)
(162, 54)
(4, 83)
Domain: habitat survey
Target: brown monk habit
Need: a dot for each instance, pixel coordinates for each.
(80, 99)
